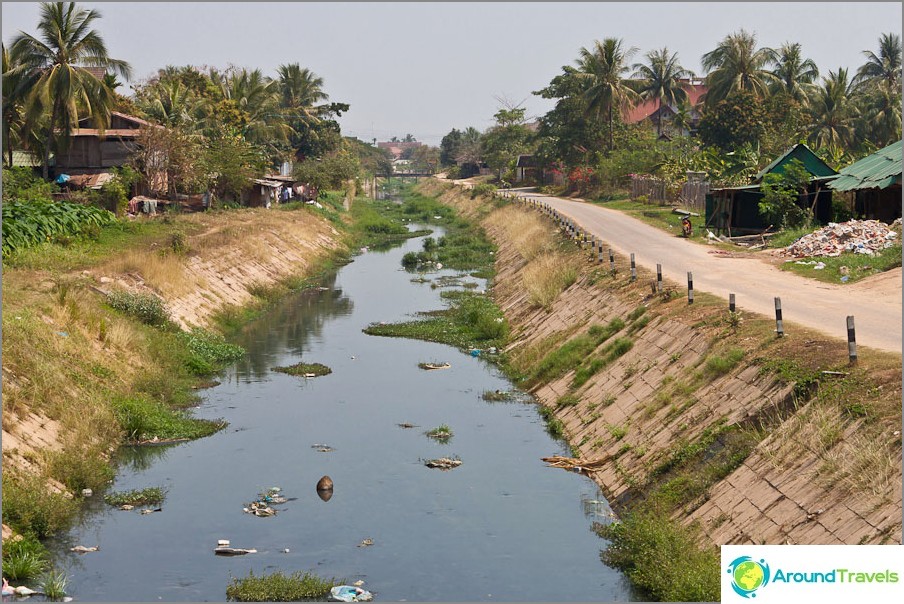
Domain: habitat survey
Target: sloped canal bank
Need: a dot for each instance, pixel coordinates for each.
(501, 526)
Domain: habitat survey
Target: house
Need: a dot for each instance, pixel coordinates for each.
(91, 149)
(526, 168)
(875, 181)
(737, 209)
(396, 149)
(650, 110)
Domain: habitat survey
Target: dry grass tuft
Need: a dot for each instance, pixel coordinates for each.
(163, 272)
(547, 276)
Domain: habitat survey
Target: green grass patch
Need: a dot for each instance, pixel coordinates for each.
(848, 267)
(718, 365)
(148, 496)
(572, 353)
(554, 426)
(143, 419)
(24, 558)
(305, 369)
(441, 433)
(646, 541)
(567, 400)
(279, 587)
(472, 321)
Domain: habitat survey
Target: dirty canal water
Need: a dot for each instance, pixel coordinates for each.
(501, 526)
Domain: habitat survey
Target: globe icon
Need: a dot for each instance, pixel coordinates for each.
(748, 575)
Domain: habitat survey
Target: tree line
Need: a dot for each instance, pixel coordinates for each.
(758, 101)
(220, 126)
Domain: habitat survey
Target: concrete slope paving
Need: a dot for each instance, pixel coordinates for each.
(820, 306)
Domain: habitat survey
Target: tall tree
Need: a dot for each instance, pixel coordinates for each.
(601, 71)
(833, 113)
(257, 98)
(660, 79)
(300, 92)
(794, 75)
(737, 65)
(17, 80)
(884, 67)
(57, 59)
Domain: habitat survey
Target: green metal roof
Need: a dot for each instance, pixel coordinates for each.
(801, 152)
(877, 171)
(28, 159)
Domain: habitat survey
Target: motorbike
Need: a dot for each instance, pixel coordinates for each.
(686, 227)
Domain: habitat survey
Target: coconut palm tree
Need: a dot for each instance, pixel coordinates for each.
(16, 82)
(794, 75)
(170, 103)
(601, 72)
(661, 80)
(300, 91)
(880, 111)
(57, 60)
(884, 67)
(833, 112)
(257, 96)
(736, 65)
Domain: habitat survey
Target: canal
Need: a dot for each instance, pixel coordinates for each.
(501, 526)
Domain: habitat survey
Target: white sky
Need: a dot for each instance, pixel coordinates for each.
(424, 67)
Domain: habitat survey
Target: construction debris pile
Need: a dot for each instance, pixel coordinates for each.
(858, 236)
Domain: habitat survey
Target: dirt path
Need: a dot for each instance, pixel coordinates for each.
(874, 303)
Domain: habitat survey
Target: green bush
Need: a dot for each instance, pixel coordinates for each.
(277, 587)
(482, 190)
(210, 347)
(27, 224)
(29, 506)
(148, 496)
(147, 308)
(22, 184)
(646, 542)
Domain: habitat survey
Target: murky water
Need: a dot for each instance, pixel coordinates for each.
(502, 526)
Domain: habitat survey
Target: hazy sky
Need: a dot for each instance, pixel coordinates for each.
(424, 67)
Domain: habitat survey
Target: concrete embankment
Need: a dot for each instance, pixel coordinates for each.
(753, 438)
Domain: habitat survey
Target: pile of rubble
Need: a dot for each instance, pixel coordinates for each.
(858, 236)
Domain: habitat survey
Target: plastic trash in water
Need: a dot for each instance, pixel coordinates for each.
(350, 593)
(475, 352)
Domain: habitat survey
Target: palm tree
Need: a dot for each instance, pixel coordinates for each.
(169, 102)
(833, 113)
(737, 65)
(600, 72)
(661, 80)
(300, 90)
(881, 115)
(257, 96)
(884, 67)
(57, 61)
(793, 74)
(16, 83)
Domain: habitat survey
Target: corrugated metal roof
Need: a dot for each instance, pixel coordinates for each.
(28, 159)
(877, 171)
(810, 160)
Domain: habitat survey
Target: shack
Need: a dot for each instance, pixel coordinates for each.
(875, 181)
(736, 209)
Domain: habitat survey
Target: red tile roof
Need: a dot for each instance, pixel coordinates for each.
(647, 108)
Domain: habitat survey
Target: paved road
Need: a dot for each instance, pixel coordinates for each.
(756, 284)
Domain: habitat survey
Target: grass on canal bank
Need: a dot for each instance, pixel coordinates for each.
(843, 424)
(85, 372)
(279, 587)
